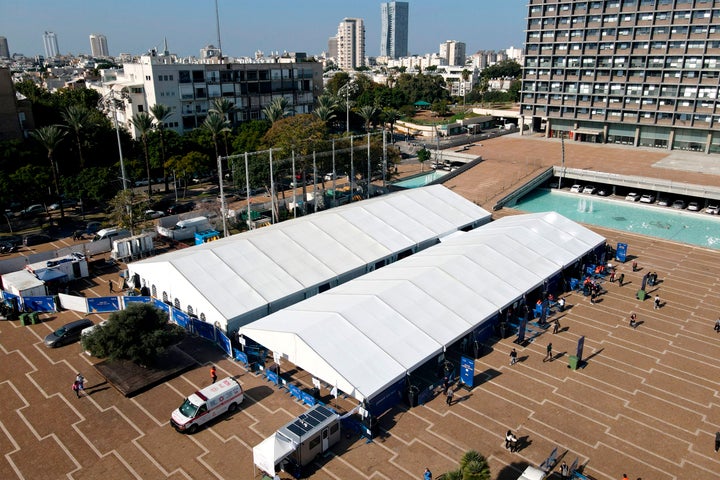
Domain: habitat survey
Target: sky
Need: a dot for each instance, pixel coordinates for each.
(136, 26)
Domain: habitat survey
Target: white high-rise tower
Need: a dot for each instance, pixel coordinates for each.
(98, 45)
(351, 44)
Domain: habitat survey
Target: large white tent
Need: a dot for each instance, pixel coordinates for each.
(241, 278)
(369, 333)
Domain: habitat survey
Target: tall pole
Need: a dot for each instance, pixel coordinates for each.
(117, 132)
(352, 169)
(384, 172)
(223, 207)
(247, 191)
(347, 107)
(369, 174)
(272, 190)
(315, 189)
(217, 23)
(294, 185)
(334, 173)
(562, 148)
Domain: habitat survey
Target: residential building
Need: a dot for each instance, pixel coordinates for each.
(453, 52)
(637, 72)
(4, 50)
(351, 44)
(51, 45)
(394, 29)
(332, 48)
(188, 86)
(15, 110)
(98, 45)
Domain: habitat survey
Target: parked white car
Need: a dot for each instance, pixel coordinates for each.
(693, 206)
(632, 197)
(590, 189)
(713, 209)
(577, 188)
(647, 198)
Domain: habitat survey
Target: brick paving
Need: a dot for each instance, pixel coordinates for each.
(646, 404)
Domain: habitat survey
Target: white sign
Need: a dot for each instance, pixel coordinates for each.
(316, 383)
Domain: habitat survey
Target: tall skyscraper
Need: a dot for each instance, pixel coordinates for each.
(453, 52)
(51, 45)
(394, 33)
(643, 73)
(98, 45)
(4, 50)
(351, 44)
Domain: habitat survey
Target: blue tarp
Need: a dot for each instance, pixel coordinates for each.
(50, 274)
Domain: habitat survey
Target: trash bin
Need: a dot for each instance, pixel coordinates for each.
(641, 294)
(574, 360)
(24, 320)
(34, 318)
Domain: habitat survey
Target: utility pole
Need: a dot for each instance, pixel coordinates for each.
(562, 148)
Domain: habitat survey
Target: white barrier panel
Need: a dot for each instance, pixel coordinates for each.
(71, 302)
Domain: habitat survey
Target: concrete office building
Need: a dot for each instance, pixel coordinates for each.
(637, 72)
(4, 49)
(351, 44)
(51, 45)
(189, 86)
(394, 29)
(98, 45)
(453, 52)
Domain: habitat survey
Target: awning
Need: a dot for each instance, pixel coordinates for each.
(271, 451)
(50, 275)
(588, 131)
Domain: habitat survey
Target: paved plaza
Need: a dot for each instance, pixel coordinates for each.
(646, 403)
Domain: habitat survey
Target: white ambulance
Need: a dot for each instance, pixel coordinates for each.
(204, 405)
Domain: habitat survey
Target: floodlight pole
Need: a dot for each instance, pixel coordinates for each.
(369, 174)
(117, 133)
(223, 207)
(247, 191)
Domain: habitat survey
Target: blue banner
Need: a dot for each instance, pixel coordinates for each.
(580, 345)
(137, 299)
(203, 329)
(621, 252)
(522, 328)
(223, 342)
(161, 305)
(308, 399)
(39, 304)
(240, 356)
(181, 318)
(467, 371)
(272, 376)
(294, 391)
(103, 304)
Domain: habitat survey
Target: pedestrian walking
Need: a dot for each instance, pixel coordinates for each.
(612, 276)
(634, 266)
(564, 471)
(593, 295)
(80, 380)
(513, 356)
(110, 284)
(427, 475)
(446, 384)
(213, 374)
(556, 327)
(657, 302)
(717, 326)
(449, 396)
(76, 389)
(625, 477)
(510, 441)
(549, 355)
(621, 279)
(633, 320)
(717, 441)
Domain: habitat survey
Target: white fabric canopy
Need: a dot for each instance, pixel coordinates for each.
(368, 333)
(270, 451)
(244, 277)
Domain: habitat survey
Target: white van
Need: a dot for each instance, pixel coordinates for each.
(186, 229)
(204, 405)
(111, 233)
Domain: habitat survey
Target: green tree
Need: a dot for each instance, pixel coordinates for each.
(368, 112)
(504, 69)
(224, 107)
(474, 466)
(50, 137)
(144, 123)
(249, 136)
(215, 124)
(184, 166)
(78, 119)
(162, 113)
(465, 75)
(140, 333)
(391, 115)
(277, 109)
(423, 156)
(440, 107)
(127, 207)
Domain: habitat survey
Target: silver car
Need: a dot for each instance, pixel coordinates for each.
(68, 333)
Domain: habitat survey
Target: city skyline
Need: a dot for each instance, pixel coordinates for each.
(246, 28)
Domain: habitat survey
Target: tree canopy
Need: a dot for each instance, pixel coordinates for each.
(139, 333)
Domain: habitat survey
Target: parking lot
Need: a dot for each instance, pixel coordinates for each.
(645, 404)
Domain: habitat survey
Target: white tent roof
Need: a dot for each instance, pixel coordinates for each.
(245, 273)
(366, 334)
(270, 451)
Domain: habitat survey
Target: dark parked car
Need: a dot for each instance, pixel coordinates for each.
(36, 239)
(68, 333)
(180, 208)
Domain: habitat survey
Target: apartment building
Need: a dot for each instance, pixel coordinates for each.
(189, 86)
(98, 45)
(394, 29)
(637, 72)
(51, 45)
(351, 44)
(453, 52)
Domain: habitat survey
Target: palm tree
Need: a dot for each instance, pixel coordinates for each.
(215, 124)
(224, 107)
(78, 118)
(465, 76)
(277, 109)
(367, 112)
(161, 113)
(50, 137)
(391, 116)
(144, 123)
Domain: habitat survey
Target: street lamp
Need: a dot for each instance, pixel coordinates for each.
(110, 97)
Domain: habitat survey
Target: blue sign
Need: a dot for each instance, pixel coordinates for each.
(240, 356)
(39, 304)
(137, 299)
(181, 318)
(103, 304)
(161, 305)
(272, 376)
(467, 371)
(580, 345)
(294, 391)
(205, 330)
(308, 399)
(621, 252)
(223, 342)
